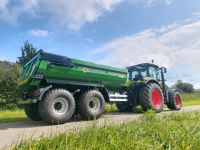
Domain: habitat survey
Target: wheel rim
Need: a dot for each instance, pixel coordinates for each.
(156, 98)
(177, 101)
(94, 104)
(60, 106)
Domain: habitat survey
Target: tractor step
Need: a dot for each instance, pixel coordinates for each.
(116, 97)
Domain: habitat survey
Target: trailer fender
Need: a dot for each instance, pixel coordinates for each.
(44, 91)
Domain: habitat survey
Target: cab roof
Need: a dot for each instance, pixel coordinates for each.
(143, 65)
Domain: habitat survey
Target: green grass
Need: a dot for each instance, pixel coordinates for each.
(190, 99)
(174, 131)
(110, 108)
(12, 115)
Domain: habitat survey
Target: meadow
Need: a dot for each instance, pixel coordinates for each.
(178, 131)
(189, 99)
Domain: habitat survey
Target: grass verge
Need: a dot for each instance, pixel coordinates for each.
(12, 115)
(174, 131)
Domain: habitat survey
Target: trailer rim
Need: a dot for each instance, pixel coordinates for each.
(60, 106)
(94, 104)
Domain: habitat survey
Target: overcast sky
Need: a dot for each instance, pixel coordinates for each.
(112, 32)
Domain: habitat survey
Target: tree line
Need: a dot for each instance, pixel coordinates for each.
(9, 74)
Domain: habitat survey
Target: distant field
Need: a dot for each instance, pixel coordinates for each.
(180, 131)
(190, 99)
(19, 115)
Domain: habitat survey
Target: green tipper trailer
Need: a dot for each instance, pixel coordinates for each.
(59, 87)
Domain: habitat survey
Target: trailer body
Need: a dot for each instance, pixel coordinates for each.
(45, 69)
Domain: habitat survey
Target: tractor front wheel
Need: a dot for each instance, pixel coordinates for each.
(175, 101)
(151, 97)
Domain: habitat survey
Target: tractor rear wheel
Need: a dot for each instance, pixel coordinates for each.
(151, 97)
(91, 104)
(175, 101)
(57, 107)
(124, 107)
(31, 110)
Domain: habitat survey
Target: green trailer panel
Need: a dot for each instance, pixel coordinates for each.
(81, 71)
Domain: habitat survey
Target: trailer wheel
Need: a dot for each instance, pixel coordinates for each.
(31, 110)
(151, 97)
(91, 104)
(124, 107)
(175, 101)
(57, 107)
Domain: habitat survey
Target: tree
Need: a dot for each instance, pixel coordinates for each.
(28, 51)
(184, 87)
(9, 74)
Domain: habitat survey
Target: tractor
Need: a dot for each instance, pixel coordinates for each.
(146, 86)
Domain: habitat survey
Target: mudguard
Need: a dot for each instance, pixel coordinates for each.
(148, 80)
(43, 92)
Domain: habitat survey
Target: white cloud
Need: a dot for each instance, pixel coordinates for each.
(3, 4)
(11, 12)
(39, 33)
(176, 47)
(153, 2)
(75, 13)
(70, 13)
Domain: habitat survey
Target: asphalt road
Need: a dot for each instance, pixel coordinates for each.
(13, 133)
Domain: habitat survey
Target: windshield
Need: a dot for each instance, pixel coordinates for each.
(138, 72)
(154, 73)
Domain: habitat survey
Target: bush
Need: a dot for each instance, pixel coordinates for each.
(184, 87)
(9, 74)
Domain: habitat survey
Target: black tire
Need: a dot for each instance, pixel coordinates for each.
(57, 107)
(124, 107)
(148, 100)
(175, 101)
(31, 110)
(87, 103)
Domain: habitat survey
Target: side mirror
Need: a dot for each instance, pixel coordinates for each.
(165, 70)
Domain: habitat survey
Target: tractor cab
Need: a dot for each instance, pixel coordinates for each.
(141, 71)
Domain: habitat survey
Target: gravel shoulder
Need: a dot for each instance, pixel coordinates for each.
(13, 133)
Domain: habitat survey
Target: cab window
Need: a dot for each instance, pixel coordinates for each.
(153, 72)
(137, 73)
